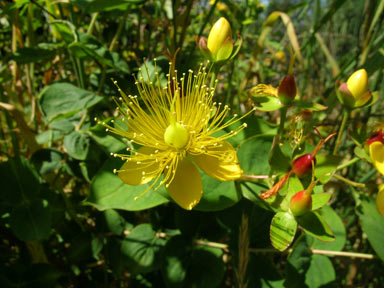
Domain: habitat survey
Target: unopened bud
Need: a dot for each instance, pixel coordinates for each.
(358, 83)
(219, 41)
(287, 90)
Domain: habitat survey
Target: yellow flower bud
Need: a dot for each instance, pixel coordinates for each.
(358, 83)
(176, 135)
(220, 40)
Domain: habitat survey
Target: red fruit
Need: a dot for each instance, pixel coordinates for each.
(303, 164)
(301, 203)
(377, 137)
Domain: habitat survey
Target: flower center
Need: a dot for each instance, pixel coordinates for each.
(176, 135)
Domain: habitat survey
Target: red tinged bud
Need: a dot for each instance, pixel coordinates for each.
(303, 164)
(301, 203)
(377, 137)
(287, 90)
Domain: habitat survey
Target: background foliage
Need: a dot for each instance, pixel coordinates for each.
(68, 221)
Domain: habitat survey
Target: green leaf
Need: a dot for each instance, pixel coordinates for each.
(65, 99)
(372, 223)
(319, 200)
(310, 106)
(32, 221)
(108, 142)
(109, 192)
(32, 54)
(267, 103)
(313, 224)
(337, 226)
(320, 272)
(252, 154)
(47, 160)
(19, 182)
(261, 270)
(187, 265)
(77, 145)
(326, 166)
(217, 195)
(283, 230)
(110, 5)
(141, 248)
(278, 161)
(115, 222)
(362, 154)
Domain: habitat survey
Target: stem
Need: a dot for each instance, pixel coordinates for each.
(92, 23)
(112, 48)
(246, 177)
(341, 131)
(283, 116)
(349, 182)
(349, 163)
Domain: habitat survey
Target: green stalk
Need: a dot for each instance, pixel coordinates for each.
(341, 131)
(283, 117)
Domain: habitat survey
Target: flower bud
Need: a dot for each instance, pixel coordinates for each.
(220, 42)
(287, 90)
(354, 93)
(176, 135)
(303, 164)
(301, 203)
(380, 201)
(358, 83)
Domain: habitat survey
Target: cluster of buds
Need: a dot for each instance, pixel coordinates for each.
(355, 93)
(219, 46)
(301, 166)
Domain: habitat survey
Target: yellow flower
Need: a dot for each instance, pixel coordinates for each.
(376, 151)
(380, 201)
(174, 125)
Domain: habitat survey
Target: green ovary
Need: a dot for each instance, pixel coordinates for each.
(176, 136)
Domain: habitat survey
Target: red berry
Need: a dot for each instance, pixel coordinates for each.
(301, 203)
(303, 164)
(377, 137)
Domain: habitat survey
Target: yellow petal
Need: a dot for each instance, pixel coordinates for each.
(223, 165)
(358, 83)
(376, 151)
(132, 173)
(186, 187)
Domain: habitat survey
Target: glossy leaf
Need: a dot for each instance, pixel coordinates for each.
(65, 99)
(337, 227)
(313, 224)
(319, 200)
(283, 230)
(320, 272)
(372, 223)
(109, 192)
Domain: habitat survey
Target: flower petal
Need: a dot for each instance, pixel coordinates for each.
(376, 151)
(132, 173)
(186, 187)
(223, 165)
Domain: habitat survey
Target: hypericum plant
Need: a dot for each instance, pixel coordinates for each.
(174, 125)
(302, 165)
